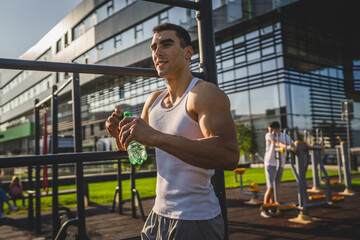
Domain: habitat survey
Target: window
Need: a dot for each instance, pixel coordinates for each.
(139, 33)
(121, 92)
(118, 43)
(66, 39)
(58, 46)
(163, 17)
(92, 132)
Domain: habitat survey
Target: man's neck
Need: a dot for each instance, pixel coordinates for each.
(177, 86)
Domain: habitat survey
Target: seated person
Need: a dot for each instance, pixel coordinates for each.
(4, 198)
(15, 190)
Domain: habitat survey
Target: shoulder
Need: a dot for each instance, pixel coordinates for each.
(148, 104)
(153, 96)
(208, 93)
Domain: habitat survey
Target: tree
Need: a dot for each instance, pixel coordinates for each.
(246, 138)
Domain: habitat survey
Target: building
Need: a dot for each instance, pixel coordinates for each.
(286, 60)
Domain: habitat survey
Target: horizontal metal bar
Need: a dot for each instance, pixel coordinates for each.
(6, 63)
(73, 67)
(63, 158)
(68, 81)
(178, 3)
(42, 102)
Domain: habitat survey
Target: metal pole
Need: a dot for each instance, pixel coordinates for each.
(345, 163)
(76, 102)
(207, 65)
(132, 184)
(37, 172)
(31, 187)
(348, 141)
(120, 187)
(55, 172)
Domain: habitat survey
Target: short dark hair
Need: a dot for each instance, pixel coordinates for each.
(180, 32)
(274, 124)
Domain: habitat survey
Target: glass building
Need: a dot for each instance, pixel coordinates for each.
(286, 60)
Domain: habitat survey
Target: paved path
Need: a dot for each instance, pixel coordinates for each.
(341, 221)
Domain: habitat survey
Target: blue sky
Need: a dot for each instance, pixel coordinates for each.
(24, 22)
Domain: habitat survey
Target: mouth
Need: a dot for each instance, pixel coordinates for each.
(160, 63)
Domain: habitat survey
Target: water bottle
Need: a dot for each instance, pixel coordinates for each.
(136, 151)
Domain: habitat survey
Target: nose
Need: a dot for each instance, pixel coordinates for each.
(157, 52)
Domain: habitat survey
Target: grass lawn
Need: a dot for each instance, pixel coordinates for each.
(101, 193)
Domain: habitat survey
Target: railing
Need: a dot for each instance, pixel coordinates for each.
(207, 68)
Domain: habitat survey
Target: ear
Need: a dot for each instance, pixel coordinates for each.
(189, 51)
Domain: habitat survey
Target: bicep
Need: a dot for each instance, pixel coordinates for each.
(214, 117)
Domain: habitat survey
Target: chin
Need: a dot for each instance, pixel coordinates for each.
(162, 73)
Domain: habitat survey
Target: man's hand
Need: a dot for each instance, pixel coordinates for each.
(112, 126)
(136, 129)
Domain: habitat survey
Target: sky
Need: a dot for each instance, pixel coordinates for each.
(24, 22)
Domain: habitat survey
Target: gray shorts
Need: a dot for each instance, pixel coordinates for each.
(270, 172)
(158, 227)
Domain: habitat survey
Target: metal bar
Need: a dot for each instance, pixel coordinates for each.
(76, 97)
(63, 86)
(42, 102)
(7, 162)
(65, 226)
(120, 209)
(345, 163)
(80, 68)
(55, 172)
(328, 187)
(206, 38)
(30, 203)
(338, 158)
(177, 3)
(207, 65)
(348, 144)
(72, 67)
(132, 184)
(37, 171)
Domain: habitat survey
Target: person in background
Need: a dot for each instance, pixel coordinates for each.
(191, 127)
(273, 138)
(15, 190)
(4, 198)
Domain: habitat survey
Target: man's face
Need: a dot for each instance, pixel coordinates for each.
(168, 56)
(273, 130)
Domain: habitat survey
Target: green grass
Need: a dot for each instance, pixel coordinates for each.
(103, 193)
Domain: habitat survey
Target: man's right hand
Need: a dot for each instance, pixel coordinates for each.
(112, 126)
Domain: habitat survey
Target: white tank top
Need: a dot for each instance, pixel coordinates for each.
(183, 191)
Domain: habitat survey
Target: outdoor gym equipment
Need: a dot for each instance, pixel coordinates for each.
(254, 189)
(299, 167)
(316, 152)
(342, 149)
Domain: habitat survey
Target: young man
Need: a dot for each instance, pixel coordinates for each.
(273, 138)
(191, 127)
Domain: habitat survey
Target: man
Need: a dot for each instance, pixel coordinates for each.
(273, 138)
(191, 127)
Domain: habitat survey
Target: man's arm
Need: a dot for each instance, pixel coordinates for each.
(211, 108)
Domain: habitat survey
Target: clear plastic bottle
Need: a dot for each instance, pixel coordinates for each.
(136, 151)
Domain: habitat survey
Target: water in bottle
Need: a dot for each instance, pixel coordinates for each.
(136, 151)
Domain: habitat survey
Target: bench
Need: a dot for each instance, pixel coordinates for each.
(60, 192)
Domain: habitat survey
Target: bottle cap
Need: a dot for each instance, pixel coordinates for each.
(127, 114)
